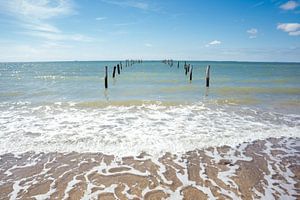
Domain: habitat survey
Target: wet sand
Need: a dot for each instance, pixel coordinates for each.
(263, 169)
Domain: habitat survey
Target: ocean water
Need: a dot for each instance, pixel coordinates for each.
(150, 107)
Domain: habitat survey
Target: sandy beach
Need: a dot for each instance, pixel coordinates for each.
(149, 99)
(153, 134)
(263, 169)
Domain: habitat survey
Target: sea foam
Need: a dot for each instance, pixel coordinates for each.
(130, 130)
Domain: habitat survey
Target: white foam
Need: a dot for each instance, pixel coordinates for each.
(16, 189)
(70, 186)
(130, 130)
(284, 188)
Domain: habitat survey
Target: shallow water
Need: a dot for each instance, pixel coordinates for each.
(150, 106)
(83, 82)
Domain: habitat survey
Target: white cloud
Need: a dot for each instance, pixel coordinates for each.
(290, 5)
(119, 32)
(140, 5)
(292, 29)
(100, 18)
(258, 4)
(214, 42)
(59, 37)
(50, 44)
(125, 24)
(42, 27)
(252, 33)
(295, 33)
(37, 9)
(148, 45)
(288, 27)
(33, 16)
(129, 3)
(78, 37)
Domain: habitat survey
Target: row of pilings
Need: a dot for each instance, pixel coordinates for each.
(117, 69)
(188, 69)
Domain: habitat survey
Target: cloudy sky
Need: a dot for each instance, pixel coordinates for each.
(239, 30)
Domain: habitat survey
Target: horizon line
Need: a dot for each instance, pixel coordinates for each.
(149, 60)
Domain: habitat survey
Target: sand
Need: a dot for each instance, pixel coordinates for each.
(268, 169)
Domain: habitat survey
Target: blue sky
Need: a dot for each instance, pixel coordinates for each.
(239, 30)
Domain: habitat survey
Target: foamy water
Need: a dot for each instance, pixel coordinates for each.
(130, 130)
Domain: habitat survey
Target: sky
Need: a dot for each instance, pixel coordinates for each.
(217, 30)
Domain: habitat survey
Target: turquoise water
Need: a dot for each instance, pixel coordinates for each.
(263, 84)
(150, 107)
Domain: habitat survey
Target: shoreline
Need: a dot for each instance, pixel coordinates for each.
(261, 169)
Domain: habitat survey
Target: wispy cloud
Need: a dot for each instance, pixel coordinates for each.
(119, 32)
(33, 17)
(38, 9)
(252, 33)
(213, 43)
(50, 44)
(258, 4)
(290, 5)
(100, 18)
(59, 37)
(129, 3)
(295, 33)
(41, 27)
(148, 45)
(125, 24)
(292, 29)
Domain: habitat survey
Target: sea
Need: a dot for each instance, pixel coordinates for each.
(150, 106)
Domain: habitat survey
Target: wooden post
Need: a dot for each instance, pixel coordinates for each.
(114, 72)
(207, 75)
(105, 79)
(118, 67)
(178, 64)
(186, 70)
(191, 73)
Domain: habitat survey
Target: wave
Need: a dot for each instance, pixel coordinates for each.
(130, 129)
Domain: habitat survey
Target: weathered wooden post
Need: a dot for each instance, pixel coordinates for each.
(191, 73)
(207, 75)
(178, 64)
(118, 67)
(186, 69)
(114, 72)
(105, 79)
